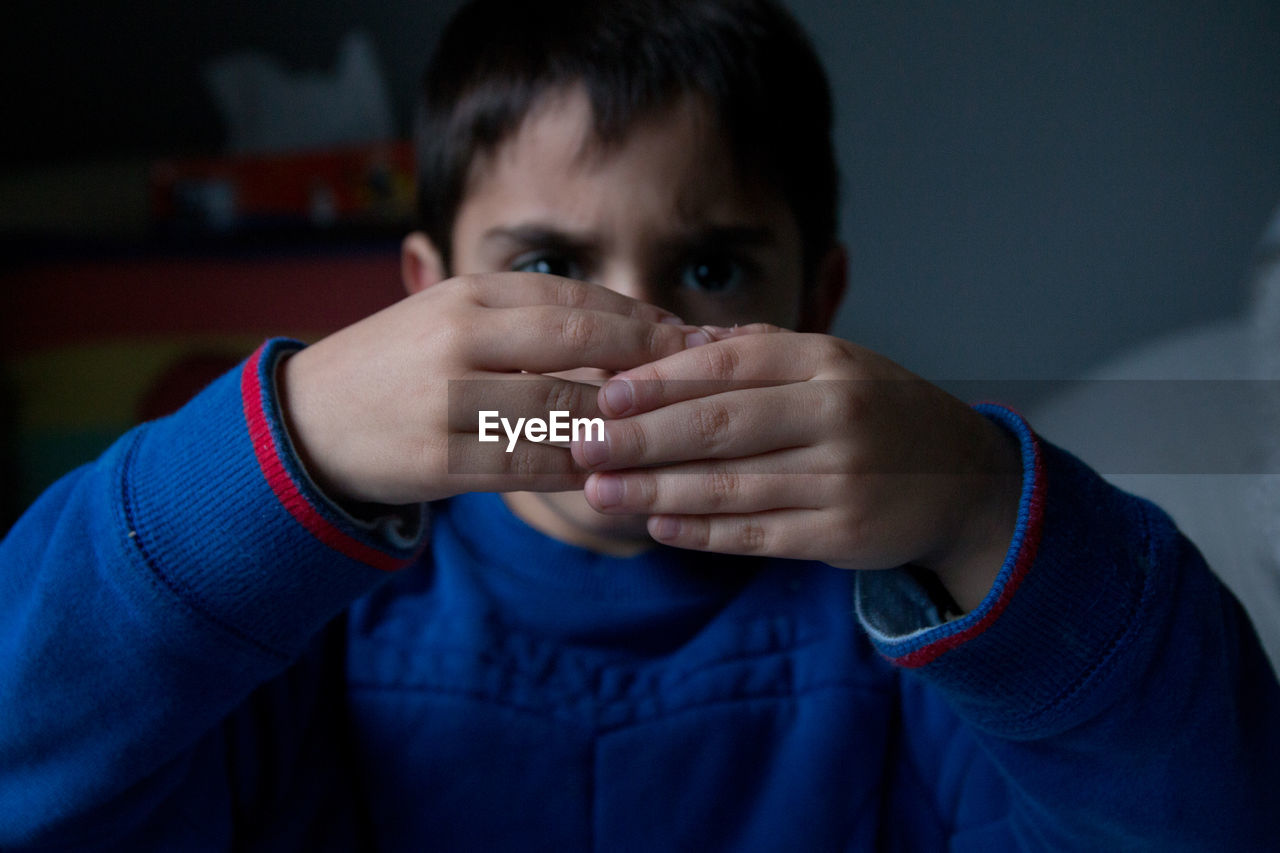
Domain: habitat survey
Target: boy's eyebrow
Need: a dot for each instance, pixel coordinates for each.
(706, 237)
(729, 236)
(538, 235)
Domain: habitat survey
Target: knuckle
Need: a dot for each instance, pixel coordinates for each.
(834, 349)
(709, 425)
(570, 293)
(844, 460)
(563, 397)
(469, 287)
(751, 536)
(578, 329)
(721, 486)
(638, 310)
(658, 340)
(833, 352)
(696, 533)
(840, 407)
(522, 461)
(846, 402)
(645, 491)
(721, 362)
(451, 342)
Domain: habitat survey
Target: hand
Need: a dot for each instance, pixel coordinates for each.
(377, 416)
(809, 447)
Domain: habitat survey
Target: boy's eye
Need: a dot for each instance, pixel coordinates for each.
(712, 275)
(548, 265)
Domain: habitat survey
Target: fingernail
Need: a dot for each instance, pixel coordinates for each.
(671, 319)
(665, 527)
(696, 339)
(609, 491)
(618, 397)
(595, 452)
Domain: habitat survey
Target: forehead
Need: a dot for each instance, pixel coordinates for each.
(670, 170)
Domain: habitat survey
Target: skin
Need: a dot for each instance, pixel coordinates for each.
(870, 467)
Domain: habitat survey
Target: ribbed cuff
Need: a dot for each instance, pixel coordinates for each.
(224, 516)
(1068, 592)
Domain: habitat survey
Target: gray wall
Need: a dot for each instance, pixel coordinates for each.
(1028, 187)
(1031, 187)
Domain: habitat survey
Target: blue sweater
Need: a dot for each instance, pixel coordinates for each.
(198, 652)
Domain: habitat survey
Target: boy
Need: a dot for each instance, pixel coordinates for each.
(240, 629)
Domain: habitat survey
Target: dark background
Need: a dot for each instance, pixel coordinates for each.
(1029, 188)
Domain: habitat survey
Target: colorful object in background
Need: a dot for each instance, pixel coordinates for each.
(91, 346)
(369, 186)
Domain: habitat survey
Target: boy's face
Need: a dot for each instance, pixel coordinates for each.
(661, 216)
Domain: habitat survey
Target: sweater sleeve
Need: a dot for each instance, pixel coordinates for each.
(1108, 679)
(145, 596)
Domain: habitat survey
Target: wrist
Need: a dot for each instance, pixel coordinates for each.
(304, 427)
(987, 521)
(303, 417)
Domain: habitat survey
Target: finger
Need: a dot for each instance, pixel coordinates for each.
(720, 333)
(713, 488)
(550, 338)
(791, 533)
(731, 425)
(528, 466)
(515, 397)
(522, 290)
(743, 360)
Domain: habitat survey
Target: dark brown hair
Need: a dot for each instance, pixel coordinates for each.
(749, 60)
